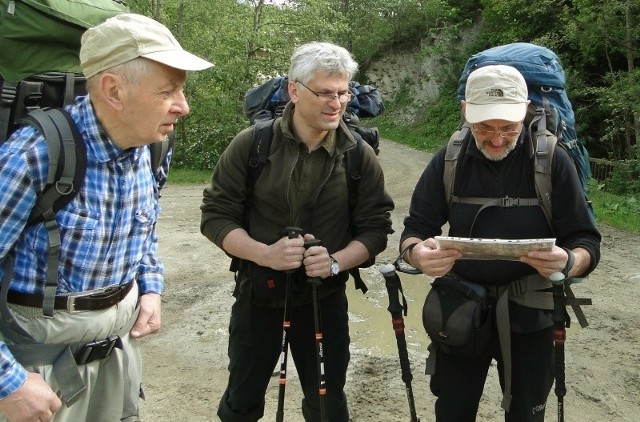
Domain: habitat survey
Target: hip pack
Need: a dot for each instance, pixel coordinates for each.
(457, 316)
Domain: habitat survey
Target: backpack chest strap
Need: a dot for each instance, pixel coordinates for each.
(505, 202)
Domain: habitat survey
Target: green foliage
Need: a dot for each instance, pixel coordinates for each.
(427, 132)
(625, 176)
(507, 21)
(251, 39)
(615, 210)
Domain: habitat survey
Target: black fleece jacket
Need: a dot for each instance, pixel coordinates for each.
(476, 176)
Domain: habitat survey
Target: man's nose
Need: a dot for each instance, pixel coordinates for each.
(180, 106)
(496, 138)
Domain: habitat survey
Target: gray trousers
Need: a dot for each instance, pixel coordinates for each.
(113, 384)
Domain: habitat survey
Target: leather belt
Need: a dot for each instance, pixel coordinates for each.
(89, 301)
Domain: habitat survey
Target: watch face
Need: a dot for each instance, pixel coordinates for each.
(335, 268)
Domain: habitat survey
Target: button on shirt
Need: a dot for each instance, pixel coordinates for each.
(108, 234)
(306, 178)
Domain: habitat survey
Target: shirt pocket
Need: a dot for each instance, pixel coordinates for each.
(144, 220)
(79, 231)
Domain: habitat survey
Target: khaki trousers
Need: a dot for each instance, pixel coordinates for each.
(114, 384)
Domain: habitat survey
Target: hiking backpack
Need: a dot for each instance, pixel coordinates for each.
(268, 100)
(47, 75)
(35, 86)
(550, 120)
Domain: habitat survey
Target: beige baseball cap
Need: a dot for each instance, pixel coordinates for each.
(495, 92)
(127, 36)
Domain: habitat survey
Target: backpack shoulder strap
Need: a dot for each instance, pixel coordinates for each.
(451, 159)
(544, 148)
(454, 146)
(67, 160)
(262, 136)
(7, 99)
(353, 163)
(159, 151)
(260, 146)
(67, 168)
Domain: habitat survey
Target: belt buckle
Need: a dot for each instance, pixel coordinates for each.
(509, 202)
(71, 299)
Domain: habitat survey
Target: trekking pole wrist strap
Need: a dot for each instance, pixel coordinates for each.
(407, 250)
(571, 258)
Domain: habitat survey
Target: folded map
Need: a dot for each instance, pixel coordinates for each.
(507, 249)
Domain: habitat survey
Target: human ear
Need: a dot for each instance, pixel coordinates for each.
(111, 90)
(292, 88)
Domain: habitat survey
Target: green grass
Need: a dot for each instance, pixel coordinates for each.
(622, 212)
(182, 176)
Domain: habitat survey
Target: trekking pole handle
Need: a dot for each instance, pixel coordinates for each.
(314, 281)
(394, 286)
(292, 232)
(557, 278)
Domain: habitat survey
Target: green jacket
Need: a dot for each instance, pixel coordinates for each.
(326, 215)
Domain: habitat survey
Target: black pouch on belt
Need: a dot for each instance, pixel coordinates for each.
(457, 316)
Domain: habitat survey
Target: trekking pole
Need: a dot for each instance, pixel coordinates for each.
(394, 289)
(559, 337)
(317, 324)
(292, 233)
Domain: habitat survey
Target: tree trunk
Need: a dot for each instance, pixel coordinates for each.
(631, 138)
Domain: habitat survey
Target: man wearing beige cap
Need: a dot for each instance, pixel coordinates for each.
(83, 363)
(495, 163)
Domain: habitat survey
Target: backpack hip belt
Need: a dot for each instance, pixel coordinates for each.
(529, 292)
(64, 358)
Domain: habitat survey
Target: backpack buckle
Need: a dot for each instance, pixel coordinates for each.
(100, 349)
(509, 202)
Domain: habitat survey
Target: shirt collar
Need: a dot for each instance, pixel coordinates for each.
(100, 144)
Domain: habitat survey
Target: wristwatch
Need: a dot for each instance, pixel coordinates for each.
(335, 267)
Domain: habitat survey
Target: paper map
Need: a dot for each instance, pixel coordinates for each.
(507, 249)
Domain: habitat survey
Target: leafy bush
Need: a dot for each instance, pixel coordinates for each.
(625, 177)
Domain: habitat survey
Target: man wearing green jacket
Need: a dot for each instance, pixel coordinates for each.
(302, 184)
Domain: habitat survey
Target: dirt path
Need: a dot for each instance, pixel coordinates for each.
(185, 364)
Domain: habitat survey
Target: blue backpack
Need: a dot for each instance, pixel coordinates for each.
(546, 82)
(550, 118)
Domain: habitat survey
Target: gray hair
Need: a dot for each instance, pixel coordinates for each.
(132, 71)
(312, 57)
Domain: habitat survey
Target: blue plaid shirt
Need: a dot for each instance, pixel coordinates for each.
(108, 231)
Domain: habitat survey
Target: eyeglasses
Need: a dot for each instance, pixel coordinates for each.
(343, 97)
(507, 135)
